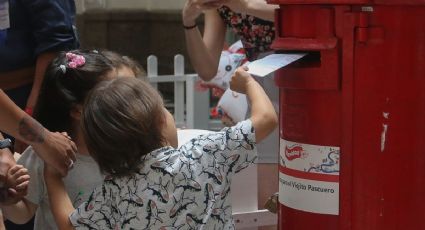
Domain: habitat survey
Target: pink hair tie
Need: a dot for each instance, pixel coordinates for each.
(75, 60)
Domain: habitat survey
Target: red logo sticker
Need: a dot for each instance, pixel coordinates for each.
(294, 152)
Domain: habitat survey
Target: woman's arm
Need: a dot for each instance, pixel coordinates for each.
(204, 51)
(54, 148)
(43, 60)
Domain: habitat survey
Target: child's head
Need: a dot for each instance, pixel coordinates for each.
(125, 66)
(67, 81)
(123, 120)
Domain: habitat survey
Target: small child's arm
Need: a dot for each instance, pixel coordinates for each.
(17, 208)
(60, 203)
(263, 115)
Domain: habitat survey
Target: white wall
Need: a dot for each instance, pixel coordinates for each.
(130, 4)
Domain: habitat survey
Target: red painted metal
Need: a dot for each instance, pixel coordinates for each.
(362, 89)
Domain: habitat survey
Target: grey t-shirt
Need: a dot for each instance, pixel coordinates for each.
(79, 183)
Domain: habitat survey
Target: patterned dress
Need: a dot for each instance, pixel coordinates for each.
(184, 188)
(256, 34)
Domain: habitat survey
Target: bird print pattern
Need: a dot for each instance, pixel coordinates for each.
(184, 188)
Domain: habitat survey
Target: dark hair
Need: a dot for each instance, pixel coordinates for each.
(119, 61)
(64, 87)
(122, 121)
(135, 66)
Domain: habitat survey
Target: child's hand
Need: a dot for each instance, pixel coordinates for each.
(17, 182)
(17, 177)
(240, 80)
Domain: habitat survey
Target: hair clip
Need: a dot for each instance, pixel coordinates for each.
(62, 68)
(75, 60)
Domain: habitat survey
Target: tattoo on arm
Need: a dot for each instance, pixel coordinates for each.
(31, 130)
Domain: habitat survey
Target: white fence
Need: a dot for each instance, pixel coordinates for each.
(191, 107)
(83, 5)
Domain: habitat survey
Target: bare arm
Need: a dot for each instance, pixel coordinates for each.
(54, 148)
(204, 52)
(263, 116)
(43, 60)
(11, 117)
(16, 208)
(60, 204)
(19, 213)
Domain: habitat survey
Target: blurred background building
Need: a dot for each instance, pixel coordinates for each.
(137, 28)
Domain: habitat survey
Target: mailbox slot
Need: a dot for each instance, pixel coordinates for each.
(296, 32)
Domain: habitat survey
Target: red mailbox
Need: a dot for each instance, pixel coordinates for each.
(352, 114)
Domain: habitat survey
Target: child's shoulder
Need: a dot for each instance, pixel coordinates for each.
(193, 138)
(186, 135)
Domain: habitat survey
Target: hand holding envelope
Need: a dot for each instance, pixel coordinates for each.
(236, 104)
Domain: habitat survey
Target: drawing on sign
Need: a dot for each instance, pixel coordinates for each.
(329, 164)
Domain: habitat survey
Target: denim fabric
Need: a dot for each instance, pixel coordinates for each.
(37, 26)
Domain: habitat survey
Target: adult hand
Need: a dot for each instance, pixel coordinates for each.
(240, 80)
(57, 150)
(191, 12)
(193, 8)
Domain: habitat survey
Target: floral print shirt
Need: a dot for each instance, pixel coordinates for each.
(184, 188)
(256, 34)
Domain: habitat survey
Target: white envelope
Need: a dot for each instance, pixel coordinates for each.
(271, 63)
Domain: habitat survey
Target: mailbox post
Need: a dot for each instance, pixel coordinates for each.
(352, 114)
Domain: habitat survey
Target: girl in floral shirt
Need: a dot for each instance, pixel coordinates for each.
(250, 20)
(151, 184)
(252, 23)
